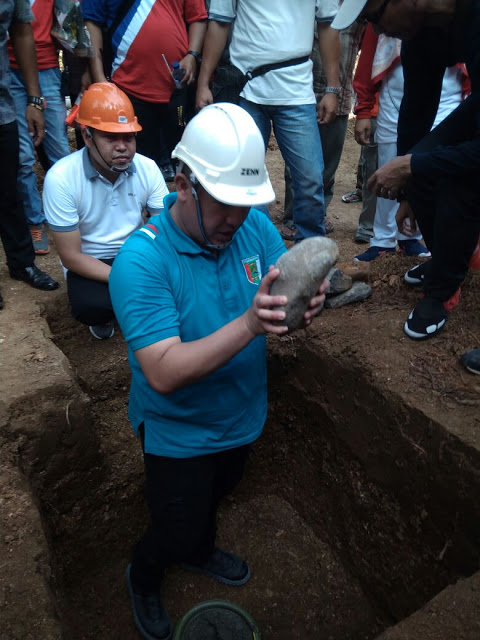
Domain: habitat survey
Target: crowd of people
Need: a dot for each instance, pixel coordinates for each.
(187, 274)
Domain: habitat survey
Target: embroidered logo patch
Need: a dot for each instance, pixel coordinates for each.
(253, 270)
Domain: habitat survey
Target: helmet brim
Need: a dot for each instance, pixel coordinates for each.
(111, 127)
(241, 196)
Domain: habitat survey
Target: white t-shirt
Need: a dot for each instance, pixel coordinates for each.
(390, 98)
(269, 31)
(76, 196)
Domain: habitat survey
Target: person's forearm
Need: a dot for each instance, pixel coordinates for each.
(329, 47)
(196, 36)
(96, 62)
(86, 266)
(23, 44)
(215, 42)
(459, 160)
(185, 363)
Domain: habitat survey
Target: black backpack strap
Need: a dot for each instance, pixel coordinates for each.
(264, 68)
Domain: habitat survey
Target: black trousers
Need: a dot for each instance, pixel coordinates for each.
(90, 299)
(182, 496)
(447, 208)
(14, 231)
(155, 140)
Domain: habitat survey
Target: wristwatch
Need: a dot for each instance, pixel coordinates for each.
(336, 90)
(196, 55)
(37, 102)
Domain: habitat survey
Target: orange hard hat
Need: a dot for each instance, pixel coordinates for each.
(107, 108)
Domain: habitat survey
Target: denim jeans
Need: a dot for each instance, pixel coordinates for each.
(296, 131)
(55, 143)
(332, 136)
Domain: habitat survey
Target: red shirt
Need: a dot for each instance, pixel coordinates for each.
(45, 47)
(141, 70)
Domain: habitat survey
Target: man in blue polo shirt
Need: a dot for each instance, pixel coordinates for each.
(191, 294)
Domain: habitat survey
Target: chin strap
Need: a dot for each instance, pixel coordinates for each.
(207, 242)
(111, 167)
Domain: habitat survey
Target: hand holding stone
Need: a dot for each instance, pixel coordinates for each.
(302, 271)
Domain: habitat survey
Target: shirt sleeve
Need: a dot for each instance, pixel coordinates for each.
(158, 192)
(453, 147)
(195, 11)
(22, 12)
(59, 203)
(420, 88)
(326, 10)
(96, 11)
(365, 89)
(142, 297)
(223, 10)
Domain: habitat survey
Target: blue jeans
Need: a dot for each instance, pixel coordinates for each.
(296, 131)
(55, 142)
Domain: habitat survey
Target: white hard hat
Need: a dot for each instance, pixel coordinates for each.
(224, 148)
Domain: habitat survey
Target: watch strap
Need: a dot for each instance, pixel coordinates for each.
(336, 90)
(196, 55)
(36, 101)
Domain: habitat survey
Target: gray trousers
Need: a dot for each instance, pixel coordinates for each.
(367, 165)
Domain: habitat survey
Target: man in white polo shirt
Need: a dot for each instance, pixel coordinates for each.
(95, 198)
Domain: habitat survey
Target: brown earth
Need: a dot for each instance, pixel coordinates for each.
(359, 504)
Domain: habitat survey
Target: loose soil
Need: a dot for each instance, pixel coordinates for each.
(359, 503)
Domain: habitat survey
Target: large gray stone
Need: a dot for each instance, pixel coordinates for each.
(302, 270)
(358, 292)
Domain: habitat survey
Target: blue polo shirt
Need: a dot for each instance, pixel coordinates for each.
(163, 284)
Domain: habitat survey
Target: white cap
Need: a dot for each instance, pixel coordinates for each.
(224, 148)
(348, 13)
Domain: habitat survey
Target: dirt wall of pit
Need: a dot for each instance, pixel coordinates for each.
(390, 487)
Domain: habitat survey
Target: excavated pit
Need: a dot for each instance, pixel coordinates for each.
(355, 509)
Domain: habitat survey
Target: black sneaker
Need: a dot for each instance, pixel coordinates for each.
(471, 360)
(224, 567)
(150, 615)
(372, 253)
(102, 331)
(414, 248)
(429, 316)
(416, 275)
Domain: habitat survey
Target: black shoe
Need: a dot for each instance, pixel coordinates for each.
(416, 275)
(150, 615)
(102, 331)
(224, 567)
(168, 172)
(471, 360)
(34, 277)
(429, 316)
(1, 301)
